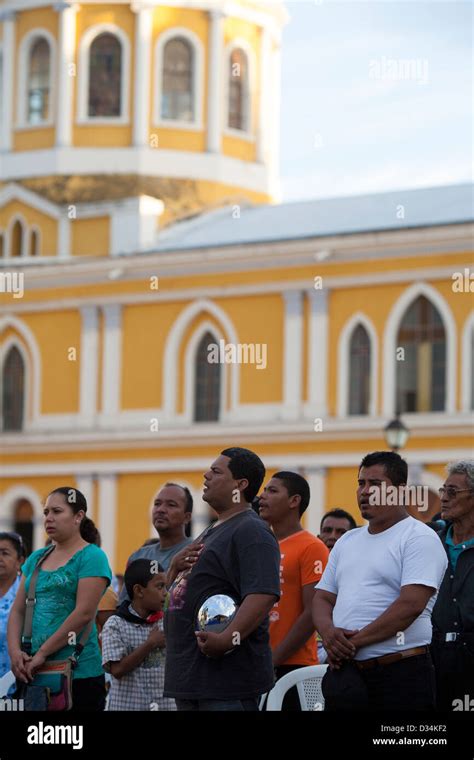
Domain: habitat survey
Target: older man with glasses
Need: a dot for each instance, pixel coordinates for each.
(453, 614)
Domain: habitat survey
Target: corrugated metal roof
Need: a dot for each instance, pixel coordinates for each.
(399, 209)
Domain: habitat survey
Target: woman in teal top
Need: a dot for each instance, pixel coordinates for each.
(70, 584)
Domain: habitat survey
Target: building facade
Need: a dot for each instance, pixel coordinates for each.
(154, 314)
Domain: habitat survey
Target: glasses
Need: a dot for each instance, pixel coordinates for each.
(451, 492)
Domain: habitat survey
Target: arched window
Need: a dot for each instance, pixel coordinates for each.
(207, 386)
(39, 75)
(421, 366)
(177, 99)
(238, 90)
(13, 390)
(17, 239)
(34, 243)
(359, 372)
(23, 517)
(105, 76)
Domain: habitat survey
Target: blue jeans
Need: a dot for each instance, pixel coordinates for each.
(218, 705)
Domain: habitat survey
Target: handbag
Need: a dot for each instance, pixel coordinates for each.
(51, 688)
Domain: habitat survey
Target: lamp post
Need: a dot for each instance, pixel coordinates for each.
(396, 434)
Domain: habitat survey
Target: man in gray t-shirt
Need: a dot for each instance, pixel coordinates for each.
(172, 510)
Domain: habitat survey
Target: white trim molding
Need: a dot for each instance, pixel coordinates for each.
(66, 58)
(142, 74)
(89, 365)
(7, 502)
(318, 349)
(24, 51)
(178, 164)
(85, 484)
(197, 79)
(32, 367)
(8, 84)
(467, 366)
(343, 363)
(171, 354)
(214, 81)
(264, 126)
(111, 362)
(201, 463)
(390, 344)
(107, 499)
(293, 354)
(316, 477)
(83, 80)
(250, 87)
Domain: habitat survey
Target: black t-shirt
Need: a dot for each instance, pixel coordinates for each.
(240, 557)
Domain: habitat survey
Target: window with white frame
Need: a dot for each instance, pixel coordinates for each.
(421, 368)
(34, 244)
(177, 92)
(38, 81)
(105, 76)
(207, 385)
(359, 371)
(17, 239)
(238, 91)
(13, 388)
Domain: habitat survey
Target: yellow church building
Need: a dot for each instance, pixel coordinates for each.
(158, 304)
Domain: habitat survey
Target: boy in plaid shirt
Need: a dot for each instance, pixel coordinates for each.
(133, 642)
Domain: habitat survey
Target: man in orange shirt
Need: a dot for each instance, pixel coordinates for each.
(303, 559)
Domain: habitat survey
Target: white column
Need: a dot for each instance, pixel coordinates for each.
(293, 354)
(85, 484)
(89, 365)
(107, 497)
(111, 359)
(201, 517)
(8, 83)
(214, 89)
(67, 44)
(264, 117)
(141, 107)
(318, 352)
(316, 477)
(274, 132)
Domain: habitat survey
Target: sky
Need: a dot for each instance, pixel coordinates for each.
(376, 96)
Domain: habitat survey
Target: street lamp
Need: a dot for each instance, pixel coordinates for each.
(396, 434)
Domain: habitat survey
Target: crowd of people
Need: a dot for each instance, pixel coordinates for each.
(389, 606)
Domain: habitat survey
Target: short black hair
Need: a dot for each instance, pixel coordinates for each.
(16, 541)
(395, 467)
(340, 514)
(296, 485)
(246, 464)
(140, 571)
(188, 499)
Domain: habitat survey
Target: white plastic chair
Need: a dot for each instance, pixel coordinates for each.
(5, 682)
(308, 684)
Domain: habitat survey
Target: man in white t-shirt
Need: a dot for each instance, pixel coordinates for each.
(372, 607)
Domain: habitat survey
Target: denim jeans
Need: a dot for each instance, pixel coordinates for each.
(218, 705)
